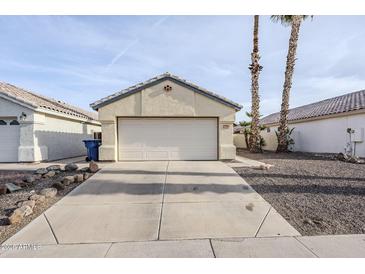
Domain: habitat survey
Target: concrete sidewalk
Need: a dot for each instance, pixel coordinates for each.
(336, 246)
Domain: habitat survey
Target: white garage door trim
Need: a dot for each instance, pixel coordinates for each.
(173, 138)
(9, 140)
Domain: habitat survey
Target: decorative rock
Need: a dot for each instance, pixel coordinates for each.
(41, 171)
(3, 189)
(93, 167)
(68, 180)
(49, 174)
(71, 167)
(29, 179)
(79, 178)
(59, 186)
(12, 187)
(20, 183)
(54, 168)
(37, 176)
(265, 167)
(19, 213)
(87, 175)
(15, 217)
(84, 169)
(37, 198)
(48, 192)
(30, 203)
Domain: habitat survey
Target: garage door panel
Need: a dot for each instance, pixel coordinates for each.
(9, 143)
(167, 138)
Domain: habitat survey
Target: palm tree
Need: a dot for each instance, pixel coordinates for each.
(294, 21)
(254, 141)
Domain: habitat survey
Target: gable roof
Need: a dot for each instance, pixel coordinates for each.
(39, 101)
(340, 104)
(153, 81)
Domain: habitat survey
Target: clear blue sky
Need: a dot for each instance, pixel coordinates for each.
(81, 59)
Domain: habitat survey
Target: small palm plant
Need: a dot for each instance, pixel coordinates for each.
(289, 141)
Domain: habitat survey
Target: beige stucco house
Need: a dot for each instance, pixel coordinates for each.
(37, 128)
(166, 118)
(321, 127)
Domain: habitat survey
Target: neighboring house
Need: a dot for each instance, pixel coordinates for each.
(166, 118)
(36, 128)
(321, 127)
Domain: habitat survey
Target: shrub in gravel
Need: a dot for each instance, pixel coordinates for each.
(71, 167)
(48, 192)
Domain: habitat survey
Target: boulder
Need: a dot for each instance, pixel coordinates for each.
(29, 179)
(68, 180)
(59, 186)
(37, 198)
(37, 176)
(19, 213)
(3, 189)
(49, 174)
(71, 167)
(48, 192)
(93, 167)
(265, 166)
(79, 178)
(87, 175)
(84, 169)
(41, 171)
(20, 183)
(12, 187)
(30, 203)
(54, 168)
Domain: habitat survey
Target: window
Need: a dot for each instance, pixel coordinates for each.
(14, 123)
(268, 129)
(2, 123)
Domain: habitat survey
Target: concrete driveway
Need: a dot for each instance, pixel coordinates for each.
(129, 205)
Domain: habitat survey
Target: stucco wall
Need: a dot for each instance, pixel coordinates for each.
(239, 140)
(154, 101)
(63, 137)
(322, 136)
(46, 137)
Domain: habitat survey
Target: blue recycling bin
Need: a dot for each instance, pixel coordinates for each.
(92, 147)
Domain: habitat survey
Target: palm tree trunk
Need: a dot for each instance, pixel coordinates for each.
(290, 63)
(255, 68)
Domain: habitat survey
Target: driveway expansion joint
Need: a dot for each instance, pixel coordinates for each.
(162, 200)
(51, 228)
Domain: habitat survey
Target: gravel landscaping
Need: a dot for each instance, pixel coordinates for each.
(315, 193)
(59, 182)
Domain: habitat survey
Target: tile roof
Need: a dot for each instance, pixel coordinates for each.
(157, 79)
(40, 101)
(340, 104)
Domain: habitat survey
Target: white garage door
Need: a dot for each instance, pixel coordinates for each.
(167, 138)
(9, 140)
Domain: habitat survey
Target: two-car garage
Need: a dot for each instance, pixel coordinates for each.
(167, 139)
